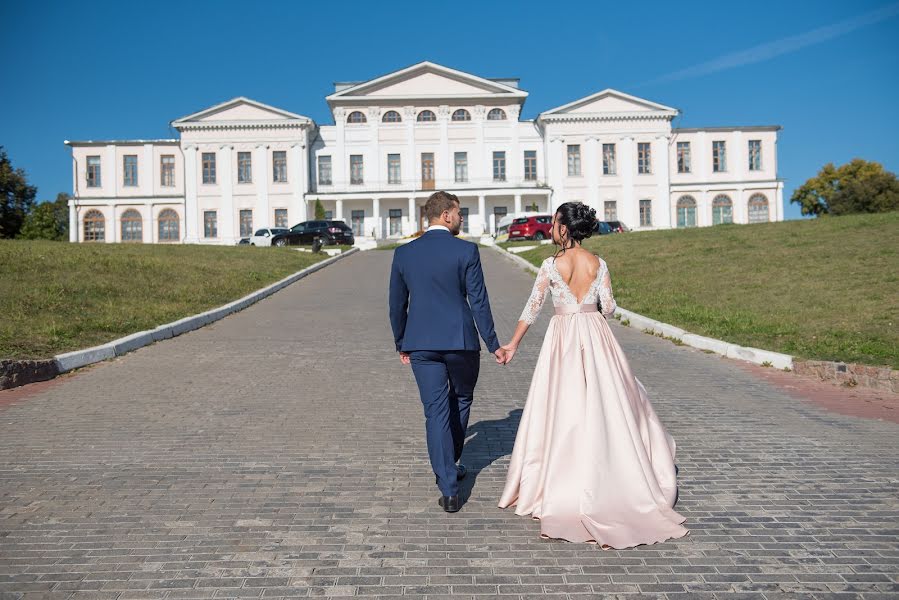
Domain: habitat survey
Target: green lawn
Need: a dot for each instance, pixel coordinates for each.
(56, 297)
(821, 289)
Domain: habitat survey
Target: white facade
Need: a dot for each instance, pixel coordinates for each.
(242, 165)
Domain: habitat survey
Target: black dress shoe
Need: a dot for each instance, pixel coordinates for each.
(450, 504)
(461, 471)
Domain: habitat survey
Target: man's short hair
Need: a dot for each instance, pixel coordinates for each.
(439, 202)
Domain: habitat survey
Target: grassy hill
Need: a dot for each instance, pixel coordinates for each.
(821, 289)
(56, 297)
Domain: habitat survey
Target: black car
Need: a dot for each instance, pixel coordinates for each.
(602, 228)
(618, 226)
(303, 234)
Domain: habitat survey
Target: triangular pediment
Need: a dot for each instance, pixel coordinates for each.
(427, 80)
(609, 102)
(239, 110)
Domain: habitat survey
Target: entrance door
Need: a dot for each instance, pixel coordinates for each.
(427, 170)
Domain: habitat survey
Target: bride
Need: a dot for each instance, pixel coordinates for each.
(591, 460)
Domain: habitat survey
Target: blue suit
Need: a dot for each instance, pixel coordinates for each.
(437, 295)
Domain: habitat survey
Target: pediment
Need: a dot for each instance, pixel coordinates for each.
(427, 80)
(239, 110)
(609, 102)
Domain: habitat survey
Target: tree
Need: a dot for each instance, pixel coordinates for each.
(48, 220)
(858, 186)
(16, 197)
(319, 211)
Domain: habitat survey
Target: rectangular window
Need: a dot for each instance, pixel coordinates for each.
(279, 166)
(246, 222)
(683, 157)
(324, 170)
(210, 224)
(719, 157)
(608, 159)
(93, 171)
(329, 215)
(357, 218)
(530, 165)
(244, 167)
(280, 217)
(499, 166)
(167, 170)
(574, 160)
(611, 210)
(209, 167)
(755, 155)
(644, 158)
(645, 213)
(463, 211)
(460, 160)
(355, 169)
(393, 169)
(427, 170)
(396, 221)
(130, 170)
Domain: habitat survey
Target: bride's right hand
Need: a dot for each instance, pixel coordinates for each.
(510, 352)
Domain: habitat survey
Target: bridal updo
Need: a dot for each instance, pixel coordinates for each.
(578, 218)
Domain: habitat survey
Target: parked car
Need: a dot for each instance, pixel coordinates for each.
(602, 228)
(531, 228)
(263, 237)
(618, 226)
(329, 232)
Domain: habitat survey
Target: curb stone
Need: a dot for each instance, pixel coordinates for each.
(119, 347)
(648, 325)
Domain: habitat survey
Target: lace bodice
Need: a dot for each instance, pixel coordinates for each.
(549, 278)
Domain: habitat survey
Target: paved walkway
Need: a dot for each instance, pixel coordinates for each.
(280, 452)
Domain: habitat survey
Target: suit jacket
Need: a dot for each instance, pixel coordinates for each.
(437, 293)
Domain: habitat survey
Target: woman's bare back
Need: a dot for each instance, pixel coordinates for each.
(579, 268)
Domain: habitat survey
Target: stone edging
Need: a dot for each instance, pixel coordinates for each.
(22, 372)
(632, 319)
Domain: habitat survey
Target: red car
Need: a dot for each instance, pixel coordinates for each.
(531, 228)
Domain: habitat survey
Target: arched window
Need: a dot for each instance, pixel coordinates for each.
(426, 116)
(722, 210)
(356, 117)
(496, 114)
(169, 226)
(94, 226)
(132, 226)
(461, 115)
(686, 211)
(391, 116)
(758, 209)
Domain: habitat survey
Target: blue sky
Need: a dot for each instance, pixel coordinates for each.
(828, 72)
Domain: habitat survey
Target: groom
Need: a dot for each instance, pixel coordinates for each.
(437, 294)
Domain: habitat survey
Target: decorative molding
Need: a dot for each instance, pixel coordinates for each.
(443, 111)
(409, 113)
(479, 111)
(610, 116)
(374, 113)
(242, 125)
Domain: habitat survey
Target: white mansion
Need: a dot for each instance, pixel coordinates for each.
(242, 165)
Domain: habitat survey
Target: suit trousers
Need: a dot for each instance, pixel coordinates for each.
(446, 382)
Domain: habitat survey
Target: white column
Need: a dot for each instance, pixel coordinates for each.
(515, 164)
(109, 172)
(557, 172)
(262, 218)
(339, 177)
(703, 162)
(777, 210)
(413, 218)
(376, 211)
(737, 157)
(298, 164)
(442, 164)
(478, 171)
(661, 216)
(379, 170)
(517, 204)
(114, 232)
(191, 225)
(147, 218)
(741, 212)
(407, 162)
(627, 166)
(146, 178)
(73, 222)
(225, 217)
(482, 212)
(590, 165)
(338, 210)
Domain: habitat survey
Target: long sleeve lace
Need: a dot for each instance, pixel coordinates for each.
(537, 298)
(607, 304)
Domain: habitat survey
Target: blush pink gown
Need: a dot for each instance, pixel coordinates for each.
(591, 459)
